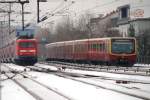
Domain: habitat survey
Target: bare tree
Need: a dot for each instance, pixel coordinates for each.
(67, 31)
(143, 42)
(104, 26)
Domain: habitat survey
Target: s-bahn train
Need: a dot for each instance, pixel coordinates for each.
(20, 51)
(110, 51)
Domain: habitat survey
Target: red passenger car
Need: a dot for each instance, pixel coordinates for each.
(116, 50)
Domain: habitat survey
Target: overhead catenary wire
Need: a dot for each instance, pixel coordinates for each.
(98, 6)
(62, 10)
(58, 6)
(33, 19)
(108, 4)
(54, 11)
(59, 10)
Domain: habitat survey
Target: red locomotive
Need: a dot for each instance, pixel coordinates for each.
(20, 51)
(115, 50)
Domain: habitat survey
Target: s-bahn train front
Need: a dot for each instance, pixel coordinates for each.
(123, 51)
(26, 51)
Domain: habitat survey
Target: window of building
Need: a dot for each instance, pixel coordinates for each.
(124, 11)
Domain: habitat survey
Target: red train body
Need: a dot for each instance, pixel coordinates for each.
(20, 51)
(99, 50)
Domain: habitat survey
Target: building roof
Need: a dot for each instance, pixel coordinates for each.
(140, 19)
(127, 21)
(94, 20)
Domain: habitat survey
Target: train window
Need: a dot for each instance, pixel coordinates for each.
(95, 47)
(26, 44)
(122, 46)
(101, 47)
(98, 47)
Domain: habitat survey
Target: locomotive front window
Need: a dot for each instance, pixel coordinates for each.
(26, 44)
(122, 46)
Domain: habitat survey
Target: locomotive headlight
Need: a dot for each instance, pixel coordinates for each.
(31, 51)
(23, 51)
(27, 50)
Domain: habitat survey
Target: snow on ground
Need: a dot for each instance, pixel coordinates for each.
(130, 85)
(79, 91)
(39, 90)
(135, 78)
(14, 67)
(143, 87)
(11, 91)
(143, 65)
(72, 89)
(137, 92)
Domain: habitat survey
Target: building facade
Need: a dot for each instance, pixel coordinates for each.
(133, 15)
(127, 18)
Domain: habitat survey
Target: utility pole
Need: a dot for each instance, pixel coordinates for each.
(38, 9)
(38, 18)
(22, 4)
(90, 30)
(1, 34)
(9, 17)
(1, 44)
(9, 12)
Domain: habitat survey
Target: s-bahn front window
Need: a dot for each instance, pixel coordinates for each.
(123, 46)
(27, 44)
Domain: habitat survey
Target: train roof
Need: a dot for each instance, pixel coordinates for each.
(92, 39)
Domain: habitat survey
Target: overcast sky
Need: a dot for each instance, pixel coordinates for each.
(77, 8)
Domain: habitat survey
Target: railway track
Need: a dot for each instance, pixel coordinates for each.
(100, 82)
(131, 91)
(107, 76)
(127, 90)
(30, 85)
(140, 70)
(112, 87)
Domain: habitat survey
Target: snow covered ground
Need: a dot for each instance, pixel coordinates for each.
(75, 90)
(11, 91)
(79, 91)
(135, 78)
(143, 65)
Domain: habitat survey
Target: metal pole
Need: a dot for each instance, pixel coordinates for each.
(9, 12)
(1, 39)
(1, 33)
(22, 4)
(38, 15)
